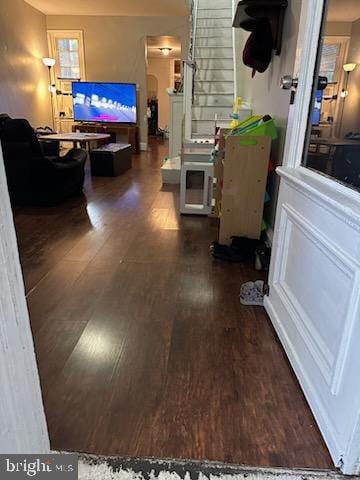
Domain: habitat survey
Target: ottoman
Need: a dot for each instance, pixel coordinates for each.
(110, 160)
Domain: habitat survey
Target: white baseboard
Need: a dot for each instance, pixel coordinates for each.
(143, 146)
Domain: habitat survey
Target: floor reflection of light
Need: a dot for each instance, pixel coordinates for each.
(202, 295)
(165, 218)
(196, 297)
(130, 198)
(96, 346)
(96, 215)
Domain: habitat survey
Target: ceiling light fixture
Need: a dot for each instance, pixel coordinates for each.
(165, 50)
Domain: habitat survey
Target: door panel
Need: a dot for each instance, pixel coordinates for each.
(314, 298)
(314, 303)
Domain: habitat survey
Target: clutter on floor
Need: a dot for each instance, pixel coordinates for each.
(241, 249)
(235, 173)
(245, 250)
(252, 293)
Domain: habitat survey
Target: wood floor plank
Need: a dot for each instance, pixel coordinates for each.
(143, 346)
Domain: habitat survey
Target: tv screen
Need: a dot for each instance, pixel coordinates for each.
(317, 108)
(104, 102)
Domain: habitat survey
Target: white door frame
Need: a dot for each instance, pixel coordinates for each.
(342, 202)
(22, 420)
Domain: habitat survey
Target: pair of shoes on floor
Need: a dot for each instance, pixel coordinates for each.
(242, 249)
(252, 293)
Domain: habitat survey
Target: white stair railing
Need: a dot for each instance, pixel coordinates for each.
(234, 40)
(188, 98)
(189, 74)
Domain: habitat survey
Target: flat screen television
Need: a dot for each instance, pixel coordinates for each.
(316, 116)
(104, 102)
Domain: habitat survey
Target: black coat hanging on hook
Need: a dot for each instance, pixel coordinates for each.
(265, 20)
(259, 47)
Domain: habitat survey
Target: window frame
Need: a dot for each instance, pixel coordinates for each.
(53, 37)
(62, 84)
(344, 42)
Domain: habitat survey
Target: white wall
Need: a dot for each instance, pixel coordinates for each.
(23, 78)
(264, 91)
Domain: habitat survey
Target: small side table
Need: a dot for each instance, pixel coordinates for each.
(111, 160)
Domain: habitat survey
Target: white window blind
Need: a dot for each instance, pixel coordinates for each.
(68, 58)
(329, 60)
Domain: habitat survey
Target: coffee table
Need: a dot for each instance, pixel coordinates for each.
(82, 139)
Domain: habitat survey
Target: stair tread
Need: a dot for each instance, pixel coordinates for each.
(214, 81)
(216, 71)
(212, 107)
(212, 120)
(213, 46)
(213, 94)
(211, 27)
(215, 58)
(215, 18)
(211, 36)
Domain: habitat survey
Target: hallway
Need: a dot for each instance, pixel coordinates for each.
(142, 344)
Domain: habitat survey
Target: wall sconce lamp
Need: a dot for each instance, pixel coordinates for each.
(165, 50)
(50, 62)
(348, 68)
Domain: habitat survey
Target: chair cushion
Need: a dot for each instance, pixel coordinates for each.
(20, 131)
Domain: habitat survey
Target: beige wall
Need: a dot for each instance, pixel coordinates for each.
(115, 48)
(351, 119)
(265, 94)
(161, 69)
(23, 77)
(338, 29)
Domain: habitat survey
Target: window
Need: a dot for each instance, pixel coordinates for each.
(333, 137)
(66, 46)
(329, 61)
(68, 58)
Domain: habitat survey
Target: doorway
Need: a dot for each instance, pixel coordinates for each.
(164, 67)
(215, 345)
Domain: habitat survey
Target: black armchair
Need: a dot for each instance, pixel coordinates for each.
(33, 178)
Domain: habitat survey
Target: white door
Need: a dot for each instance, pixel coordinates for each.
(314, 297)
(22, 419)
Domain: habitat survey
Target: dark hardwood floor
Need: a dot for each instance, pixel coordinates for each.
(142, 344)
